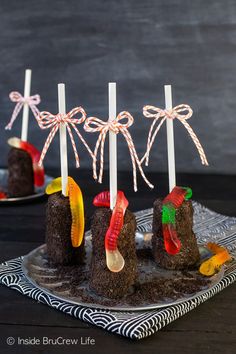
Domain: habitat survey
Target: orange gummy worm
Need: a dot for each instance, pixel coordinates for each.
(212, 265)
(77, 212)
(76, 206)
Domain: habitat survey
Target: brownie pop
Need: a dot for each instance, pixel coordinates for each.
(65, 208)
(24, 173)
(65, 223)
(114, 262)
(174, 243)
(20, 173)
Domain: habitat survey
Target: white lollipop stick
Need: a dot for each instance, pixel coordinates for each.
(170, 140)
(63, 138)
(25, 116)
(112, 146)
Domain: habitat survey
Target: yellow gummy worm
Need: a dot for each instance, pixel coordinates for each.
(212, 265)
(76, 207)
(54, 186)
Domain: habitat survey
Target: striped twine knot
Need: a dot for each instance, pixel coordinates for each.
(174, 113)
(93, 124)
(31, 101)
(47, 120)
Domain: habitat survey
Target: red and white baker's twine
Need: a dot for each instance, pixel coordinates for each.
(158, 113)
(32, 102)
(48, 120)
(94, 124)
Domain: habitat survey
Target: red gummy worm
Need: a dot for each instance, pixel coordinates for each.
(116, 223)
(171, 241)
(175, 197)
(102, 199)
(172, 202)
(35, 155)
(117, 218)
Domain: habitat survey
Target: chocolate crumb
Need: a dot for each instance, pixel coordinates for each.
(148, 288)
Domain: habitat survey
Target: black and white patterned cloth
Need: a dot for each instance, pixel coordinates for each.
(208, 226)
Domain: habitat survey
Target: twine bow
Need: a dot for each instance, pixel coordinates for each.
(48, 120)
(32, 102)
(94, 124)
(174, 113)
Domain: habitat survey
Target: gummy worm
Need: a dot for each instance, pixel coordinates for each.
(76, 207)
(172, 202)
(213, 264)
(114, 260)
(35, 156)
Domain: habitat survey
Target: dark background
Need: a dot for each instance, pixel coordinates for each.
(141, 45)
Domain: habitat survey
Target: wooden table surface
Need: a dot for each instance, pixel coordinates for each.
(211, 328)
